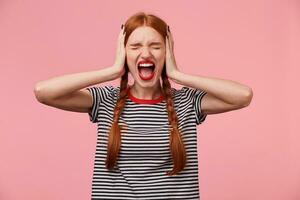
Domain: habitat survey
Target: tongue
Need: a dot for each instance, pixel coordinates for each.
(146, 71)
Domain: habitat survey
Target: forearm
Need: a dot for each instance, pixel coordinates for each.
(229, 91)
(63, 85)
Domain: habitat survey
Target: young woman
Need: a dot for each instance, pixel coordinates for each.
(147, 136)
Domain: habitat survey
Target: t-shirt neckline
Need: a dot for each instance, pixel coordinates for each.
(143, 101)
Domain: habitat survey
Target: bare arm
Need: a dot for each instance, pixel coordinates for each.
(222, 95)
(67, 92)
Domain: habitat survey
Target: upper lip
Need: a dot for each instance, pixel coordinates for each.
(146, 61)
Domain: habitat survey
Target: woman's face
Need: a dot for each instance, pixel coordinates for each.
(145, 44)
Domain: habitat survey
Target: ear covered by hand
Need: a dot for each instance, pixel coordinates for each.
(171, 67)
(120, 57)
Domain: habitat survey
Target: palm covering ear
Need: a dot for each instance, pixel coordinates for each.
(171, 67)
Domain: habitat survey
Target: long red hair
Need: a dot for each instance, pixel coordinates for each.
(177, 148)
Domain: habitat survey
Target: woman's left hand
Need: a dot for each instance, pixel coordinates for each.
(171, 67)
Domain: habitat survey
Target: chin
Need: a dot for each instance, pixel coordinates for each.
(146, 84)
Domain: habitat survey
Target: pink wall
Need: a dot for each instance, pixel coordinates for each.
(247, 154)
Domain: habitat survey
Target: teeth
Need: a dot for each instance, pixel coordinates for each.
(146, 65)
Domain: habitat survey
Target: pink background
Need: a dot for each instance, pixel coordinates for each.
(247, 154)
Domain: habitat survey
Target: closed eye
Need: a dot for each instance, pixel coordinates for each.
(153, 48)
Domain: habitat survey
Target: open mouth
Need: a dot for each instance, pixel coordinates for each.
(146, 70)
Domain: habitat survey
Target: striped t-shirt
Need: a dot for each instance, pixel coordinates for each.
(144, 157)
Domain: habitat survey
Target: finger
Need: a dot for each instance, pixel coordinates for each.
(121, 33)
(167, 30)
(167, 46)
(170, 37)
(123, 40)
(123, 29)
(168, 42)
(171, 41)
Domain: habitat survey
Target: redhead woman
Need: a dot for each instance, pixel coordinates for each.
(147, 131)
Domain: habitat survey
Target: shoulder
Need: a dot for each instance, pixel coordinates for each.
(183, 91)
(112, 91)
(187, 93)
(104, 91)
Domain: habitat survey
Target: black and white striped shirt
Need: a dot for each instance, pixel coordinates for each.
(144, 158)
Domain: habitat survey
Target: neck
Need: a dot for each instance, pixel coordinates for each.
(148, 93)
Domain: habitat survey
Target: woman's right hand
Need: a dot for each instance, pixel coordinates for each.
(119, 64)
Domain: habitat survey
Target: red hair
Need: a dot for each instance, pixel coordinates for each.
(177, 148)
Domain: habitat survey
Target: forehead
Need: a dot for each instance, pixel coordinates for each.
(144, 34)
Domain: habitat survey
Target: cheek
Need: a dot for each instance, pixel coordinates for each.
(131, 59)
(130, 56)
(160, 57)
(160, 54)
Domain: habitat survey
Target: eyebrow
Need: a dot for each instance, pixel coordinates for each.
(152, 43)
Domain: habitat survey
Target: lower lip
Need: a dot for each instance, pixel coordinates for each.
(147, 78)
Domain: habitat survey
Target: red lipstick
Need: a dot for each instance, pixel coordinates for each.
(146, 62)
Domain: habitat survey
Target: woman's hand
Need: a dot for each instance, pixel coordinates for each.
(171, 67)
(120, 54)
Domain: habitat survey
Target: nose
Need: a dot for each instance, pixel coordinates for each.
(145, 53)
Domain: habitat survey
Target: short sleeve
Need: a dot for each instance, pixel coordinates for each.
(195, 96)
(100, 95)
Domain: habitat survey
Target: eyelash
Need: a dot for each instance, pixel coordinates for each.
(154, 48)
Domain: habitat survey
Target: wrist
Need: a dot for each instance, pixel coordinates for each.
(174, 76)
(117, 71)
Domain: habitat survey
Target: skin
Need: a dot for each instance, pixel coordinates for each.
(68, 92)
(139, 47)
(222, 95)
